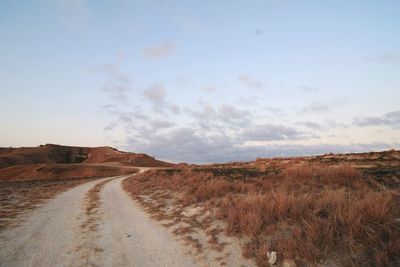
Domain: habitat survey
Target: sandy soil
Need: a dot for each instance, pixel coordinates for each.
(94, 224)
(19, 198)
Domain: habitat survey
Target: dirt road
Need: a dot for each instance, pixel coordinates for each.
(94, 224)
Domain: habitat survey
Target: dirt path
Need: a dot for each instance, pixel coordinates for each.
(94, 224)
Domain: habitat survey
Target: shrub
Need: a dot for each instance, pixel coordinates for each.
(307, 212)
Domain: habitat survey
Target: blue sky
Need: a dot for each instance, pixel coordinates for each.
(201, 81)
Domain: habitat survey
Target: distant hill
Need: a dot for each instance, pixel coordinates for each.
(112, 155)
(42, 154)
(58, 154)
(65, 162)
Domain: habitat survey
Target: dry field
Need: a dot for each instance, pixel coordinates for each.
(25, 187)
(52, 171)
(17, 198)
(309, 211)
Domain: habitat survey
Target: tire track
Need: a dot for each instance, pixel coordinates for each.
(94, 224)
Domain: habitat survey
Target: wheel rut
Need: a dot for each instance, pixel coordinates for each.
(94, 224)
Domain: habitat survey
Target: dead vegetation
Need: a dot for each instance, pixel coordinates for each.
(310, 212)
(92, 204)
(18, 197)
(61, 171)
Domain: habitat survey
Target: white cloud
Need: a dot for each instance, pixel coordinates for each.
(308, 89)
(159, 51)
(174, 108)
(188, 145)
(315, 107)
(390, 119)
(156, 95)
(272, 132)
(118, 85)
(158, 124)
(217, 130)
(251, 82)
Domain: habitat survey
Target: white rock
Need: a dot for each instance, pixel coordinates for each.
(271, 257)
(190, 211)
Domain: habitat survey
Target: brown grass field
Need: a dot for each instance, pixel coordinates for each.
(17, 198)
(341, 210)
(51, 171)
(25, 187)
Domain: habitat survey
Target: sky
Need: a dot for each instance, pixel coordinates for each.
(201, 81)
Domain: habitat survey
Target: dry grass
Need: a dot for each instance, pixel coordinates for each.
(32, 172)
(306, 212)
(19, 197)
(24, 187)
(92, 205)
(195, 243)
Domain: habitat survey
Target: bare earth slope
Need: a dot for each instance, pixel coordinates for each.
(60, 162)
(58, 154)
(112, 155)
(94, 224)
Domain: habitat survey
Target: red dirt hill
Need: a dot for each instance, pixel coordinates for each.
(58, 154)
(42, 154)
(112, 155)
(65, 162)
